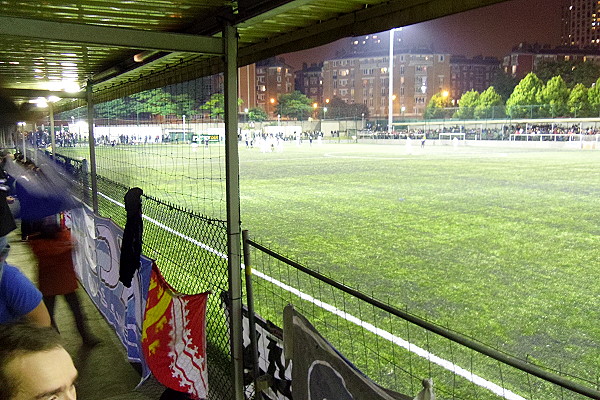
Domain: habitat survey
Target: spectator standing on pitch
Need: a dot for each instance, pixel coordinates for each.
(34, 364)
(53, 247)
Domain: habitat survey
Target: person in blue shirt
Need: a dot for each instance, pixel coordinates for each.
(20, 299)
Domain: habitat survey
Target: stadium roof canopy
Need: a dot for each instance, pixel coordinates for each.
(48, 46)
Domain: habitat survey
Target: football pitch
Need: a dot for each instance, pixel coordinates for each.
(500, 244)
(496, 242)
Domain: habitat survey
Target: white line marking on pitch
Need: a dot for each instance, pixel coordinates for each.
(476, 379)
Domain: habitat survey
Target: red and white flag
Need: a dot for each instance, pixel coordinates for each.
(174, 338)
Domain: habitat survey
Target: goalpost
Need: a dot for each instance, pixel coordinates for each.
(452, 135)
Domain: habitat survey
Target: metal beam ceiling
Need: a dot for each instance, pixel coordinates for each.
(104, 35)
(45, 44)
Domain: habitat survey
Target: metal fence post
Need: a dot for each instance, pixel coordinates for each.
(52, 133)
(92, 144)
(251, 316)
(232, 183)
(84, 180)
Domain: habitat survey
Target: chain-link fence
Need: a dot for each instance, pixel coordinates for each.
(396, 348)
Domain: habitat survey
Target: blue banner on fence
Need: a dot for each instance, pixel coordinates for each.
(96, 259)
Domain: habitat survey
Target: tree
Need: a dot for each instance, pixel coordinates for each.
(504, 85)
(438, 106)
(338, 108)
(490, 105)
(548, 69)
(578, 103)
(594, 98)
(524, 98)
(216, 105)
(113, 109)
(573, 72)
(294, 105)
(146, 104)
(184, 105)
(154, 102)
(554, 97)
(586, 73)
(257, 114)
(466, 105)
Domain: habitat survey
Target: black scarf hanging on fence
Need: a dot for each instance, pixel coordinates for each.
(131, 246)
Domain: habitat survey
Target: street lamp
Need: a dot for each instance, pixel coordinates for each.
(390, 110)
(391, 78)
(324, 111)
(22, 125)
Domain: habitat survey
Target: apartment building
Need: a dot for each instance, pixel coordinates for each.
(309, 81)
(273, 78)
(363, 77)
(477, 73)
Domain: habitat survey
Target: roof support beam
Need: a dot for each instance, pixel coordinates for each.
(31, 93)
(109, 36)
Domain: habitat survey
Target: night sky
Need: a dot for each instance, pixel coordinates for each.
(488, 31)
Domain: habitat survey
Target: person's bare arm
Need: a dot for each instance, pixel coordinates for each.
(39, 315)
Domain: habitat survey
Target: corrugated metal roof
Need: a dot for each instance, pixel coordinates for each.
(266, 28)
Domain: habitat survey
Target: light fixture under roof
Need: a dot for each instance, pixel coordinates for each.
(41, 102)
(54, 86)
(71, 86)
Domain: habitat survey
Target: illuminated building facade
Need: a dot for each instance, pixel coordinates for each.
(247, 87)
(309, 81)
(581, 23)
(477, 73)
(362, 77)
(525, 57)
(273, 78)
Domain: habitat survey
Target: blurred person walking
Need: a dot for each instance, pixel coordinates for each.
(19, 298)
(53, 247)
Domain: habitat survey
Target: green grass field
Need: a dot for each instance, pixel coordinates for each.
(498, 243)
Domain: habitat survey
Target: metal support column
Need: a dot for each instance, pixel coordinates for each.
(92, 144)
(391, 83)
(251, 316)
(52, 133)
(234, 250)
